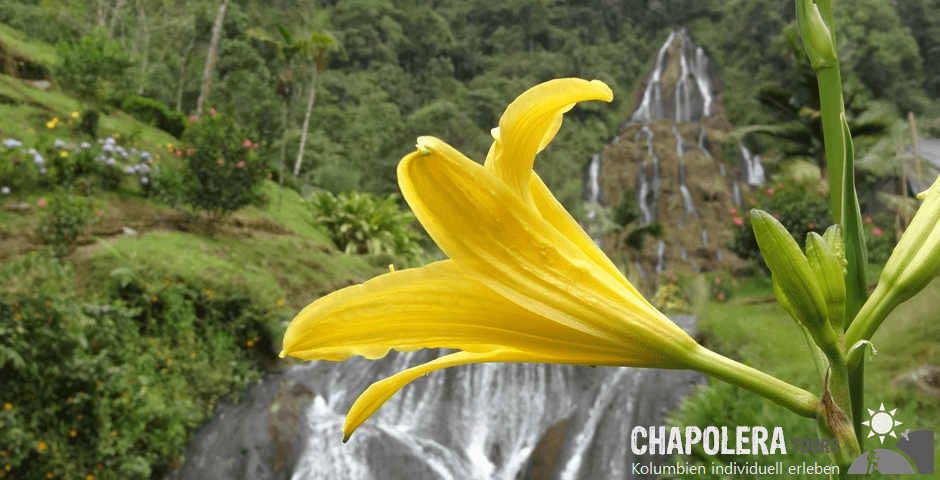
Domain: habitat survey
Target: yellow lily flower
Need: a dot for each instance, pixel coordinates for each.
(523, 282)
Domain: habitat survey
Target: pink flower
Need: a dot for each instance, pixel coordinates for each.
(737, 221)
(770, 192)
(254, 146)
(717, 281)
(867, 219)
(721, 297)
(246, 143)
(811, 225)
(178, 153)
(220, 161)
(876, 232)
(212, 112)
(41, 202)
(732, 210)
(270, 176)
(189, 152)
(240, 165)
(750, 201)
(192, 118)
(100, 212)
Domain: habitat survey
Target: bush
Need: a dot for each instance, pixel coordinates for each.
(225, 174)
(154, 113)
(879, 240)
(115, 390)
(363, 223)
(94, 68)
(800, 209)
(66, 216)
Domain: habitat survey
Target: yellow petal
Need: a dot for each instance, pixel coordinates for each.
(379, 392)
(485, 228)
(530, 122)
(554, 213)
(433, 307)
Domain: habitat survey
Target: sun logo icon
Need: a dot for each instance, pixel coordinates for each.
(882, 423)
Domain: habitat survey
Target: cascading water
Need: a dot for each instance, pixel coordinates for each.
(651, 107)
(702, 138)
(474, 422)
(660, 257)
(752, 171)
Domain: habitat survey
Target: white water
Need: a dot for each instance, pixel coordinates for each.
(660, 257)
(692, 95)
(752, 171)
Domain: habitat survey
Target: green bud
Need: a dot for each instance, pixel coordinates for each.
(830, 275)
(833, 238)
(816, 35)
(913, 264)
(790, 270)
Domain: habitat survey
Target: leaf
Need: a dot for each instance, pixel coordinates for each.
(856, 254)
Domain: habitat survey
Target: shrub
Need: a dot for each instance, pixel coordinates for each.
(800, 209)
(155, 113)
(879, 240)
(95, 68)
(66, 216)
(116, 389)
(225, 174)
(363, 223)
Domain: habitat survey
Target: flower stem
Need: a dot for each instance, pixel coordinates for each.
(796, 399)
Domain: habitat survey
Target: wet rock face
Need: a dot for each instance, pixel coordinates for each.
(474, 422)
(669, 152)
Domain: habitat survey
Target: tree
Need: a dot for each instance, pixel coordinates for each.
(211, 57)
(315, 47)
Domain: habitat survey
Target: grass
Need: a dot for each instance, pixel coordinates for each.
(766, 337)
(293, 213)
(21, 45)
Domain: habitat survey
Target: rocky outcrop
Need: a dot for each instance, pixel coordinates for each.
(669, 152)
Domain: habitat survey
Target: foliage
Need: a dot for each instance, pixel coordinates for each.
(66, 215)
(364, 223)
(799, 208)
(225, 174)
(879, 239)
(723, 406)
(156, 114)
(113, 390)
(95, 68)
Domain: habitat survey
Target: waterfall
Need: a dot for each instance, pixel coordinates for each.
(660, 257)
(752, 171)
(704, 237)
(702, 138)
(593, 183)
(643, 192)
(736, 191)
(651, 107)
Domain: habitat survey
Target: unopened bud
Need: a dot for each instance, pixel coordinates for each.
(816, 35)
(790, 269)
(830, 276)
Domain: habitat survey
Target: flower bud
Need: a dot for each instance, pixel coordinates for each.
(913, 264)
(790, 270)
(916, 259)
(816, 35)
(830, 276)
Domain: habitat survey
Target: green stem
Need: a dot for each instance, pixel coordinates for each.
(873, 312)
(796, 399)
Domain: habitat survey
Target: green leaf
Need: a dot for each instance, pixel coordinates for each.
(856, 254)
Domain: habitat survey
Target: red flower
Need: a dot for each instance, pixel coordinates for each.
(212, 112)
(721, 297)
(220, 161)
(717, 281)
(240, 165)
(867, 219)
(270, 176)
(876, 232)
(811, 225)
(42, 202)
(770, 192)
(737, 220)
(192, 118)
(732, 210)
(246, 143)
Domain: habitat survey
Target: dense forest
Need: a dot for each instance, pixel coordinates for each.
(394, 70)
